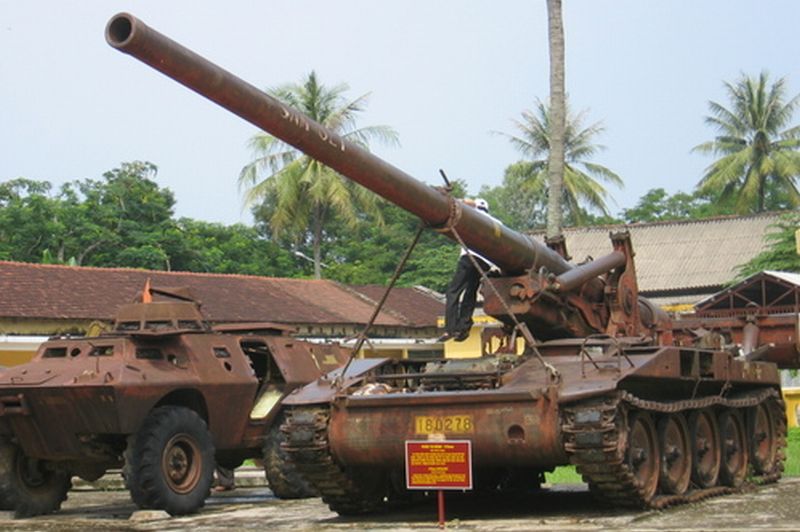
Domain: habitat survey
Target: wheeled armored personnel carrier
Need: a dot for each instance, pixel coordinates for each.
(585, 372)
(164, 396)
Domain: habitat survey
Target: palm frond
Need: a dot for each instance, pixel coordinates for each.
(532, 140)
(752, 145)
(604, 173)
(362, 137)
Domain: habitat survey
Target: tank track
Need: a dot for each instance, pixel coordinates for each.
(594, 433)
(306, 444)
(594, 437)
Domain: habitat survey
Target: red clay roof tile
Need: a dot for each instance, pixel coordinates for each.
(68, 292)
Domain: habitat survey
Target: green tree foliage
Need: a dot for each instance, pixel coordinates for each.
(759, 160)
(518, 202)
(132, 218)
(657, 205)
(523, 205)
(582, 189)
(125, 220)
(217, 248)
(781, 253)
(28, 220)
(370, 253)
(305, 195)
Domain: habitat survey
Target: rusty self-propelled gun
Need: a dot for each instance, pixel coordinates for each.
(165, 396)
(605, 380)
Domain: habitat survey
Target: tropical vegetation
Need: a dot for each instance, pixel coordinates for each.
(583, 179)
(782, 248)
(659, 206)
(125, 219)
(759, 161)
(303, 196)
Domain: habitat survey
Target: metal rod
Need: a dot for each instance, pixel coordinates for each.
(397, 271)
(511, 251)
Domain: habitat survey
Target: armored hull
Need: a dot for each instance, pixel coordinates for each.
(649, 412)
(164, 396)
(646, 426)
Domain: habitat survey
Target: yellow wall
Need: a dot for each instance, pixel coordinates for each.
(471, 347)
(42, 326)
(15, 350)
(383, 353)
(792, 398)
(15, 357)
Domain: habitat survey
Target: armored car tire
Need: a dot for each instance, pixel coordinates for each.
(28, 486)
(283, 477)
(169, 462)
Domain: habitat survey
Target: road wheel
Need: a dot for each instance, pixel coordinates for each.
(28, 486)
(676, 454)
(368, 492)
(763, 440)
(642, 455)
(169, 462)
(284, 479)
(733, 442)
(705, 448)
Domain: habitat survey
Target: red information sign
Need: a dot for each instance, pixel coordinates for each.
(439, 465)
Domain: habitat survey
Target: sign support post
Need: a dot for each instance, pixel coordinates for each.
(439, 465)
(440, 494)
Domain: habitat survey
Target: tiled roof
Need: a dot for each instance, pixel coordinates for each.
(680, 255)
(406, 302)
(66, 292)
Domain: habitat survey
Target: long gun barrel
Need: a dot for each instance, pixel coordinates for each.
(511, 251)
(582, 302)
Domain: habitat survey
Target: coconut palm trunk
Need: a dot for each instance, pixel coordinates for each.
(557, 118)
(317, 243)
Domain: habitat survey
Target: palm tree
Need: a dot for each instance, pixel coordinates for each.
(558, 125)
(581, 177)
(759, 157)
(303, 192)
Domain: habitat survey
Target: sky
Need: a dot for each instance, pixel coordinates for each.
(445, 75)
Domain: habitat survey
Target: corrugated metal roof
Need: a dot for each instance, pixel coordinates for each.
(766, 289)
(65, 292)
(680, 255)
(793, 278)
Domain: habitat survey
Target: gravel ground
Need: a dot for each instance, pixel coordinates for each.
(773, 507)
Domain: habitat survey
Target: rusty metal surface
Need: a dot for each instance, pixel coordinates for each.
(323, 390)
(505, 433)
(79, 398)
(601, 297)
(510, 250)
(302, 362)
(263, 327)
(571, 279)
(775, 334)
(594, 399)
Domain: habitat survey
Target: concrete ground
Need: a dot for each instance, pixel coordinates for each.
(568, 508)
